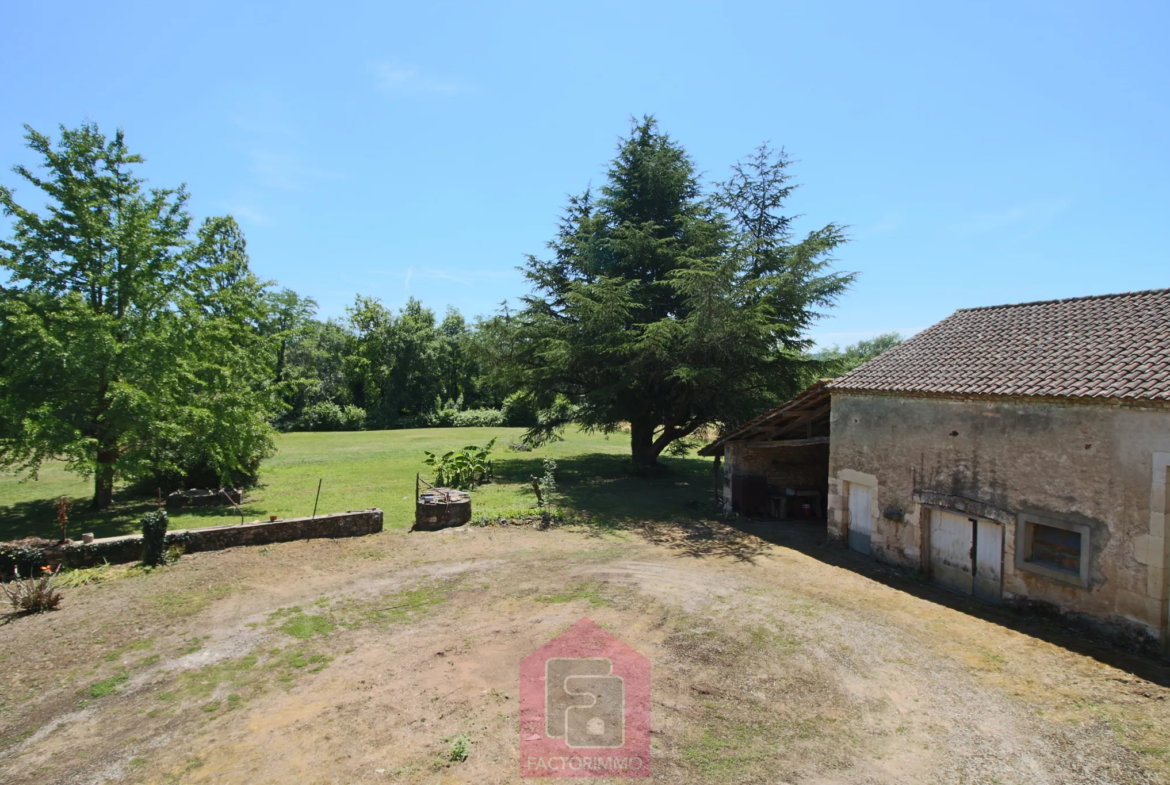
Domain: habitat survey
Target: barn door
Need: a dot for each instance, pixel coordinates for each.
(988, 561)
(860, 517)
(952, 545)
(966, 554)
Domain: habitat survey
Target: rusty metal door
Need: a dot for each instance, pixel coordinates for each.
(952, 550)
(988, 561)
(860, 517)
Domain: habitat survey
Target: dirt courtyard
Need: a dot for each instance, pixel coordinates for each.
(393, 659)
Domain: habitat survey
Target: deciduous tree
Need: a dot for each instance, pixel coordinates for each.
(119, 336)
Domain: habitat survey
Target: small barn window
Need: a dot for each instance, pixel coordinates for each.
(1053, 547)
(1057, 548)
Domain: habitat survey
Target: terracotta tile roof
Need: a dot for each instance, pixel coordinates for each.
(1114, 346)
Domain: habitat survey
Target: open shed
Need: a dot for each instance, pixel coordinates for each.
(777, 465)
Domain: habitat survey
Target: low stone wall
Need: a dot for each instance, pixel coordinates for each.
(338, 524)
(128, 548)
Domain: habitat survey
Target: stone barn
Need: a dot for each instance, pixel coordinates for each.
(1018, 453)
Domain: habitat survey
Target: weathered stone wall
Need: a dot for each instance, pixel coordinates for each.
(785, 467)
(119, 550)
(339, 524)
(1101, 467)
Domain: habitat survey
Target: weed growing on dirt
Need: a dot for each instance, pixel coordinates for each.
(188, 603)
(192, 645)
(459, 748)
(401, 607)
(305, 626)
(107, 686)
(298, 660)
(141, 645)
(245, 677)
(582, 591)
(201, 684)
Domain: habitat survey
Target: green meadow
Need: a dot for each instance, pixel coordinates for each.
(365, 469)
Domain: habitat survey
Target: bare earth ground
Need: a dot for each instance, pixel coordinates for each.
(364, 660)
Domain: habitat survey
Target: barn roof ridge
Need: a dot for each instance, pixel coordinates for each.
(1113, 346)
(1058, 300)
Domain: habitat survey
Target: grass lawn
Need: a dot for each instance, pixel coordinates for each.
(377, 469)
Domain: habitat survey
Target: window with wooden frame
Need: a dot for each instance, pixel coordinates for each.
(1054, 548)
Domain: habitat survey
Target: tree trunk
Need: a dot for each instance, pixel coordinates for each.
(103, 480)
(642, 445)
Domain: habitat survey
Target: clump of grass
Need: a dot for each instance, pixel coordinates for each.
(203, 682)
(71, 579)
(582, 591)
(141, 645)
(401, 607)
(107, 686)
(305, 626)
(188, 603)
(299, 659)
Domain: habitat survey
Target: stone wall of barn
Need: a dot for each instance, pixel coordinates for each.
(1101, 469)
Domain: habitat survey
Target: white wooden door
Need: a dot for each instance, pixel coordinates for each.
(988, 561)
(951, 550)
(860, 517)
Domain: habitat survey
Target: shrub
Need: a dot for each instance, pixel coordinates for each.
(520, 410)
(464, 468)
(479, 418)
(446, 417)
(33, 595)
(328, 416)
(154, 537)
(194, 471)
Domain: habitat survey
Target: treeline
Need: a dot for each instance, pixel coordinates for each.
(378, 368)
(140, 348)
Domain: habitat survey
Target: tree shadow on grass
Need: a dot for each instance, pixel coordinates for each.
(38, 517)
(603, 486)
(671, 507)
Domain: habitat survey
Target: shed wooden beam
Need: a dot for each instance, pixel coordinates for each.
(789, 442)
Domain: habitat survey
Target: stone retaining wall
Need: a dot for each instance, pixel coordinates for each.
(128, 548)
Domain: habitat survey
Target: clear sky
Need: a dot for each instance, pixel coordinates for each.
(981, 153)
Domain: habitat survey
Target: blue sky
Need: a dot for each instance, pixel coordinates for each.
(981, 153)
